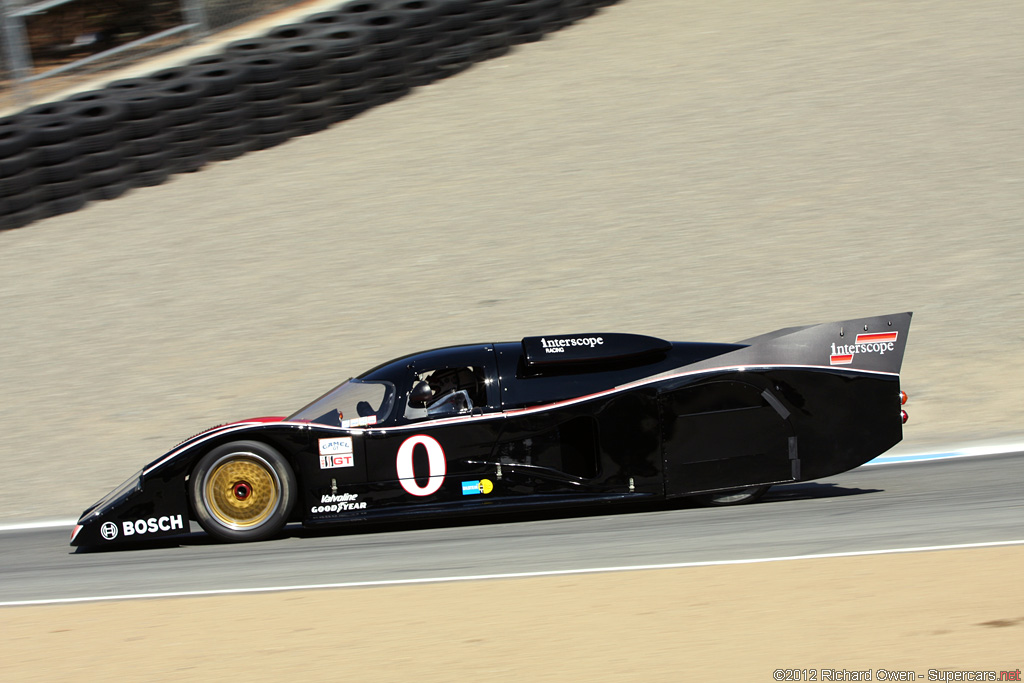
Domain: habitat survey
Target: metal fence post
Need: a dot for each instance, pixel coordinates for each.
(195, 14)
(19, 60)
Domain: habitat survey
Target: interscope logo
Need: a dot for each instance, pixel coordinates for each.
(876, 342)
(559, 345)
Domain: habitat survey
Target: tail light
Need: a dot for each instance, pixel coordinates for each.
(904, 416)
(903, 402)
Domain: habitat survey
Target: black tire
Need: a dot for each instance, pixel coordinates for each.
(148, 145)
(229, 101)
(310, 126)
(251, 46)
(741, 496)
(111, 191)
(287, 32)
(271, 90)
(273, 124)
(136, 129)
(98, 117)
(55, 131)
(152, 161)
(243, 491)
(65, 188)
(362, 94)
(106, 176)
(170, 75)
(385, 26)
(268, 140)
(15, 138)
(19, 219)
(57, 173)
(183, 93)
(149, 178)
(16, 184)
(13, 165)
(274, 107)
(314, 74)
(23, 200)
(352, 63)
(220, 79)
(102, 160)
(226, 152)
(142, 104)
(315, 91)
(327, 19)
(62, 205)
(343, 40)
(231, 136)
(303, 53)
(101, 142)
(191, 114)
(188, 164)
(90, 96)
(419, 12)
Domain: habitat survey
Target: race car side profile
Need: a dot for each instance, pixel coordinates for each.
(550, 421)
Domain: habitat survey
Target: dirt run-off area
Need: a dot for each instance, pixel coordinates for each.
(957, 610)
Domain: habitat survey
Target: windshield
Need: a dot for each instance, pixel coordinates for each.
(355, 403)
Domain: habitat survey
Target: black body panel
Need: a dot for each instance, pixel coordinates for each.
(607, 418)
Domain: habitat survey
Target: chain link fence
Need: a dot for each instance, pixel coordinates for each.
(50, 45)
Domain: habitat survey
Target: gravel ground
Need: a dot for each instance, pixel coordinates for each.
(693, 170)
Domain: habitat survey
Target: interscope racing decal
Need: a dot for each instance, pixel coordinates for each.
(559, 345)
(874, 342)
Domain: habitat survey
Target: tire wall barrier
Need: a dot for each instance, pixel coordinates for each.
(296, 79)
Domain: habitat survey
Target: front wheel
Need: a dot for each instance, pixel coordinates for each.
(242, 491)
(742, 496)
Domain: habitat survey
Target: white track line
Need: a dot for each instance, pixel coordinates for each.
(516, 575)
(45, 524)
(967, 452)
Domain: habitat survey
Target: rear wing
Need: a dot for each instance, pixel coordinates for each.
(870, 344)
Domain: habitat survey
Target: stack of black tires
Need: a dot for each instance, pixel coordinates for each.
(296, 79)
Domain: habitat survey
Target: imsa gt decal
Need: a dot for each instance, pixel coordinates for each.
(336, 453)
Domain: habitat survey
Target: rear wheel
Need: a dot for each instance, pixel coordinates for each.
(242, 491)
(742, 496)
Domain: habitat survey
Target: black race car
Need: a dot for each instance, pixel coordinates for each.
(574, 419)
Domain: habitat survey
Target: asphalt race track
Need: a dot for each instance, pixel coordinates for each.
(945, 502)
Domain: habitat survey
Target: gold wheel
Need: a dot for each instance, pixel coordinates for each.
(242, 490)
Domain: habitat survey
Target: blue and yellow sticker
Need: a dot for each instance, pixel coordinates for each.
(473, 488)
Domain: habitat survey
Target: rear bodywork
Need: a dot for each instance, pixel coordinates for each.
(562, 420)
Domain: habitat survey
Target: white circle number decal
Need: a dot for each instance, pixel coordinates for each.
(435, 459)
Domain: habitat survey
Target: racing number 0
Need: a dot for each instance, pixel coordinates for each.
(435, 459)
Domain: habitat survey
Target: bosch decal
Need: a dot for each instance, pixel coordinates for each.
(108, 531)
(877, 342)
(152, 525)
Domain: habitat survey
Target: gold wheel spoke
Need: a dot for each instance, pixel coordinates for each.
(242, 490)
